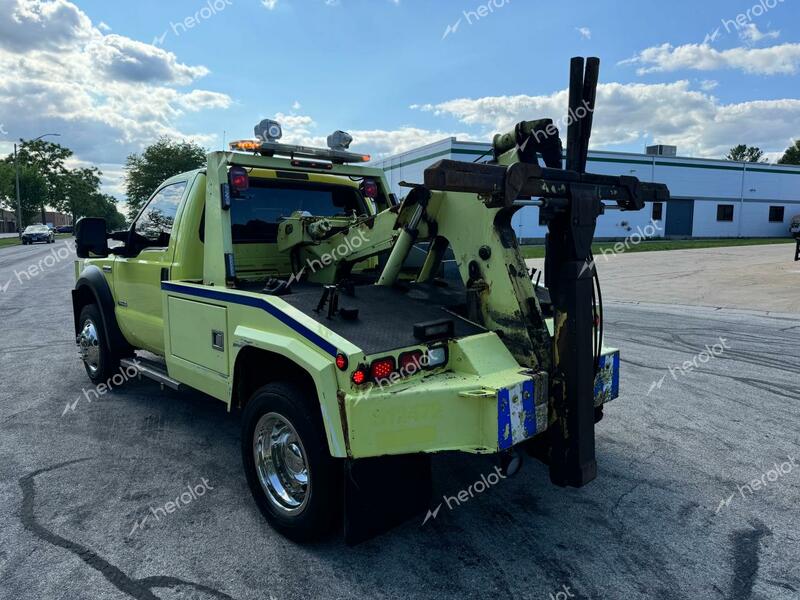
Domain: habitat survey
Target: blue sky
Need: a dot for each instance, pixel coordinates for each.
(112, 76)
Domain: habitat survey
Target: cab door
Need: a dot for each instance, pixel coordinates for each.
(138, 276)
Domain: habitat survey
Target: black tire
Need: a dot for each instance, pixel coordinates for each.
(320, 510)
(107, 362)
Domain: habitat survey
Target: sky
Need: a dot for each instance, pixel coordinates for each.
(111, 76)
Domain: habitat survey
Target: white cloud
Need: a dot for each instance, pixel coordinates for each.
(302, 129)
(750, 34)
(269, 4)
(782, 59)
(708, 84)
(670, 113)
(106, 94)
(585, 32)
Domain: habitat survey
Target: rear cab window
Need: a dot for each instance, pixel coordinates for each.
(257, 211)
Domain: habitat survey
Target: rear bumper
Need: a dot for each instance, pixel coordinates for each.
(478, 414)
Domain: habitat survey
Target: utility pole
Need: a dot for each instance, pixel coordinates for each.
(19, 204)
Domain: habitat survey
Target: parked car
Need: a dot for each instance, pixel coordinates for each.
(64, 229)
(38, 233)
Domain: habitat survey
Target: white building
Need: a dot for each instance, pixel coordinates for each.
(710, 198)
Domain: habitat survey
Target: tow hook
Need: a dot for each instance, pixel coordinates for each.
(510, 462)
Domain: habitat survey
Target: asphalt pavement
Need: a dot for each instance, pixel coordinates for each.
(139, 492)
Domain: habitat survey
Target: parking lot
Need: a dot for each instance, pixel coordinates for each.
(710, 404)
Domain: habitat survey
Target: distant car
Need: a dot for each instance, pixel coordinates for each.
(64, 229)
(38, 233)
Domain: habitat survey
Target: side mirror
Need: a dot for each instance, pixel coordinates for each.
(91, 237)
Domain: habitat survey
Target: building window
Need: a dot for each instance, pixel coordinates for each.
(776, 214)
(724, 212)
(658, 211)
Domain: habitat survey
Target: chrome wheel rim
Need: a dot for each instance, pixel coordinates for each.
(89, 346)
(281, 464)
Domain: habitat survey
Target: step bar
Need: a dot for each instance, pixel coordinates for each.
(152, 371)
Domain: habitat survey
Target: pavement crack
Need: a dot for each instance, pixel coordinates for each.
(141, 589)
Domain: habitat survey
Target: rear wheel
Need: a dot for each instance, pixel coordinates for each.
(294, 480)
(100, 363)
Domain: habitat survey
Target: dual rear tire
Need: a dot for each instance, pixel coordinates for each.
(295, 482)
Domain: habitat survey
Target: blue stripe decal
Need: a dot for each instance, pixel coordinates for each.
(504, 436)
(256, 303)
(529, 406)
(615, 377)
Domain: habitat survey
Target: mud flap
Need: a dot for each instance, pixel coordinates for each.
(381, 493)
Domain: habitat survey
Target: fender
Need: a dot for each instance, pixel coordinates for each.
(321, 369)
(93, 280)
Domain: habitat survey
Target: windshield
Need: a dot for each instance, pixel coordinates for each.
(256, 212)
(37, 229)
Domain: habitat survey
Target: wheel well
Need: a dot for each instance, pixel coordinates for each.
(256, 367)
(80, 298)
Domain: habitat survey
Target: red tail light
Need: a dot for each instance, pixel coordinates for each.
(369, 188)
(238, 178)
(359, 376)
(341, 362)
(382, 367)
(411, 363)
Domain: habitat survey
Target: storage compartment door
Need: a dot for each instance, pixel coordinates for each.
(198, 333)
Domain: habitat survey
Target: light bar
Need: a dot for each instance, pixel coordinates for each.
(272, 148)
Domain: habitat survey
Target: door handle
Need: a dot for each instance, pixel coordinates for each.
(106, 269)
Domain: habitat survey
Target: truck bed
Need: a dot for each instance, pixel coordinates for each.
(386, 316)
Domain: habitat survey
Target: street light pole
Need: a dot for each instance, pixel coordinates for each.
(16, 170)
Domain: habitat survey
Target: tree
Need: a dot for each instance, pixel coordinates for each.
(32, 188)
(82, 198)
(48, 159)
(160, 161)
(745, 153)
(792, 155)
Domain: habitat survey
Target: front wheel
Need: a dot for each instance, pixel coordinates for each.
(100, 363)
(294, 480)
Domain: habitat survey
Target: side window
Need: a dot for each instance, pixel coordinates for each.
(154, 224)
(658, 211)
